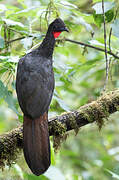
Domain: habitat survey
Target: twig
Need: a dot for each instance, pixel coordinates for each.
(110, 59)
(93, 47)
(16, 31)
(105, 39)
(5, 36)
(116, 13)
(75, 42)
(20, 38)
(110, 39)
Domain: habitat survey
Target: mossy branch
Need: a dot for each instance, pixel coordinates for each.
(96, 111)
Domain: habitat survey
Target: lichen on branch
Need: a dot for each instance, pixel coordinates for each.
(96, 111)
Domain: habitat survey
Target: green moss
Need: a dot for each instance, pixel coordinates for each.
(59, 134)
(72, 122)
(9, 149)
(58, 128)
(95, 112)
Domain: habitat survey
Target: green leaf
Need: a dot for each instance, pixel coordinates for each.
(33, 177)
(11, 10)
(115, 28)
(2, 43)
(114, 175)
(7, 96)
(52, 154)
(13, 59)
(61, 103)
(99, 19)
(75, 177)
(109, 15)
(107, 6)
(10, 22)
(22, 2)
(27, 10)
(68, 4)
(54, 172)
(2, 8)
(27, 42)
(18, 170)
(84, 23)
(95, 42)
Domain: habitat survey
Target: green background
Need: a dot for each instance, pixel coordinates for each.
(80, 77)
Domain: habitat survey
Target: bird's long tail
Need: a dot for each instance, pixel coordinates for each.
(36, 144)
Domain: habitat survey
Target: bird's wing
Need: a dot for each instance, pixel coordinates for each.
(34, 87)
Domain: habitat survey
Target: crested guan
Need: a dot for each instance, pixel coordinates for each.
(34, 87)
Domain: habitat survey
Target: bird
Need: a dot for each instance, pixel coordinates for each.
(34, 87)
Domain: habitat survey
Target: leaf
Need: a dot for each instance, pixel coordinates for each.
(2, 43)
(18, 170)
(33, 177)
(61, 103)
(54, 172)
(114, 175)
(84, 23)
(114, 150)
(7, 96)
(68, 4)
(27, 10)
(27, 42)
(22, 2)
(95, 42)
(115, 28)
(107, 6)
(52, 154)
(99, 19)
(75, 177)
(13, 59)
(10, 22)
(2, 8)
(11, 10)
(109, 15)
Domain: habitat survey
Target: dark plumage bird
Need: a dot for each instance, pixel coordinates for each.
(34, 87)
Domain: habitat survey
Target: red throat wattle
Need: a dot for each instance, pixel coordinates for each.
(56, 34)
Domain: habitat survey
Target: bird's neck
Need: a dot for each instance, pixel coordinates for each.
(47, 46)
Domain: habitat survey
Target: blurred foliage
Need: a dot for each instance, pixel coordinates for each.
(79, 75)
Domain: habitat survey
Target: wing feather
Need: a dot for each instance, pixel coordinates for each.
(34, 85)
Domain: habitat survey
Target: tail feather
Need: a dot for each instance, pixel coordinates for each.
(36, 144)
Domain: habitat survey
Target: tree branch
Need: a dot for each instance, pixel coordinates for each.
(96, 111)
(75, 42)
(110, 34)
(105, 41)
(93, 47)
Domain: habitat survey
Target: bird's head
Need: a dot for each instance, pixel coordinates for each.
(57, 26)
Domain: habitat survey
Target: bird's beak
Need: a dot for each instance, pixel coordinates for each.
(66, 29)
